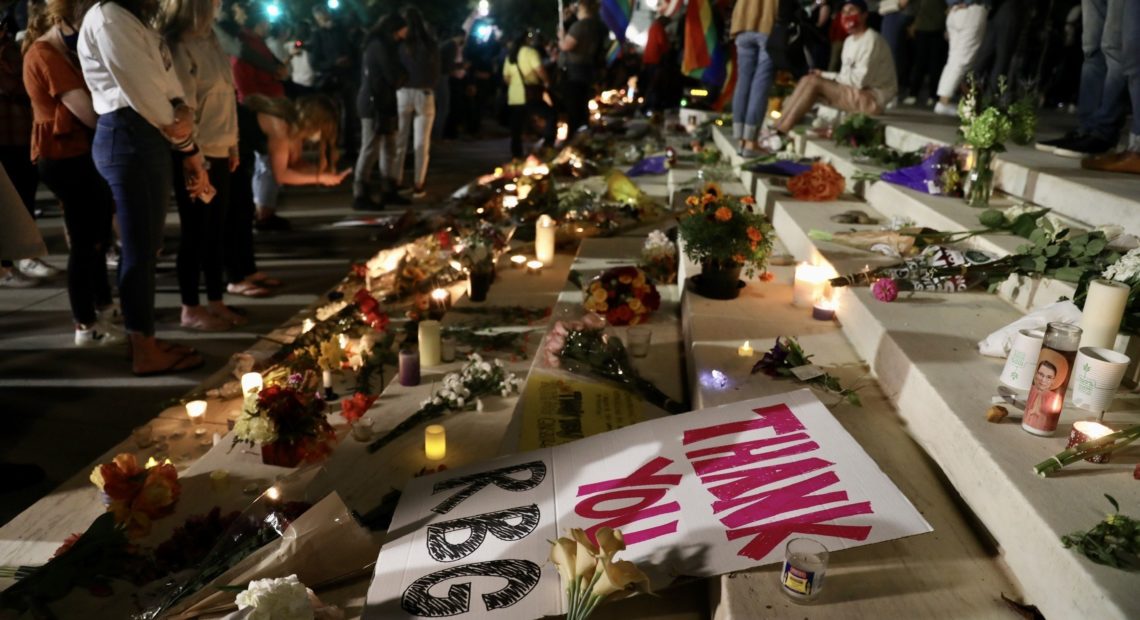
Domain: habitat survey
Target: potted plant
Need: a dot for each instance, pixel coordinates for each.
(727, 236)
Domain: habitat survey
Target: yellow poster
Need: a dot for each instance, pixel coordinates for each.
(558, 410)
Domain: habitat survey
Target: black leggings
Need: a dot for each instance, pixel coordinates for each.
(200, 250)
(87, 212)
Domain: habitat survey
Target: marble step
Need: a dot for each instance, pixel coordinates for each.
(922, 351)
(1059, 183)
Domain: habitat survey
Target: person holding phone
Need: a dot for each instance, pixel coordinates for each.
(142, 117)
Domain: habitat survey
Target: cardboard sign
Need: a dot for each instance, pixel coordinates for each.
(699, 494)
(557, 409)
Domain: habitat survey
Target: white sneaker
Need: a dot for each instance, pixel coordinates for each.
(12, 278)
(36, 268)
(910, 100)
(773, 143)
(97, 334)
(945, 109)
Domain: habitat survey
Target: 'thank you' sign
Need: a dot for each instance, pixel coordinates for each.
(700, 494)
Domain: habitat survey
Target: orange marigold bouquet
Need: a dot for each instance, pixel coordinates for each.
(821, 183)
(137, 495)
(724, 230)
(624, 295)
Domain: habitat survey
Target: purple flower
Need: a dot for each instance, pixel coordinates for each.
(772, 360)
(885, 289)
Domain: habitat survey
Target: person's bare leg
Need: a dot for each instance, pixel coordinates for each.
(797, 106)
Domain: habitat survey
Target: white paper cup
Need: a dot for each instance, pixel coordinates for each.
(1018, 371)
(1097, 375)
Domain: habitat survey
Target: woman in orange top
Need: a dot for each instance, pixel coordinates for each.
(63, 123)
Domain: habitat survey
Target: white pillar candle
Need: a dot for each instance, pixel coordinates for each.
(1104, 308)
(544, 230)
(251, 382)
(435, 442)
(430, 343)
(811, 281)
(326, 378)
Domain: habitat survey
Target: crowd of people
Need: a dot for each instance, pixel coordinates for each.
(117, 105)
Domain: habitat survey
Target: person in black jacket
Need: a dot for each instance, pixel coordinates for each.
(382, 74)
(333, 56)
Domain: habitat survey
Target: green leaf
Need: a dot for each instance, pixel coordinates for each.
(1112, 500)
(1039, 264)
(1068, 274)
(1052, 250)
(1095, 246)
(1027, 264)
(1038, 238)
(992, 218)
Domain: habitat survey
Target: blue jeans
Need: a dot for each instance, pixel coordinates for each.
(1130, 59)
(134, 158)
(265, 186)
(1099, 106)
(894, 31)
(754, 78)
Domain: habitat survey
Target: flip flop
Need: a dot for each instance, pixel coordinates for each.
(188, 362)
(260, 279)
(248, 289)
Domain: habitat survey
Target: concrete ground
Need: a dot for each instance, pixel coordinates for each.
(62, 407)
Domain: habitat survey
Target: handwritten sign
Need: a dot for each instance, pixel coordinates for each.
(557, 409)
(699, 494)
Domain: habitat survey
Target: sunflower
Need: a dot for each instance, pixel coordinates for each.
(714, 190)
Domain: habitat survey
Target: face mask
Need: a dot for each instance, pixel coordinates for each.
(849, 22)
(71, 41)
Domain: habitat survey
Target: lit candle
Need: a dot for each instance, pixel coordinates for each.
(435, 442)
(307, 325)
(251, 382)
(745, 350)
(195, 409)
(544, 239)
(1087, 431)
(430, 343)
(511, 187)
(518, 261)
(510, 202)
(824, 308)
(534, 267)
(1104, 308)
(810, 283)
(409, 368)
(524, 191)
(441, 300)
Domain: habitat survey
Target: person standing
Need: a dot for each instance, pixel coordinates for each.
(527, 85)
(251, 78)
(896, 21)
(419, 55)
(381, 76)
(63, 120)
(965, 27)
(204, 71)
(137, 95)
(752, 22)
(581, 47)
(1007, 20)
(929, 49)
(333, 58)
(450, 71)
(1128, 48)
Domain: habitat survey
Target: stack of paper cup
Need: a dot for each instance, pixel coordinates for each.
(1098, 372)
(1019, 366)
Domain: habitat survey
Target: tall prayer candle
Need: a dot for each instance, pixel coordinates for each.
(1104, 308)
(430, 343)
(409, 367)
(544, 230)
(435, 442)
(810, 284)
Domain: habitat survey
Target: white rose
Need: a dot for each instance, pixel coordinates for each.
(276, 599)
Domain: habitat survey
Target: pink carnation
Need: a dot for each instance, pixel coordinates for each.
(885, 289)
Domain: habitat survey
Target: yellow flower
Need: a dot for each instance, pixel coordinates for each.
(635, 304)
(585, 555)
(610, 541)
(619, 577)
(693, 201)
(562, 554)
(713, 189)
(625, 280)
(639, 281)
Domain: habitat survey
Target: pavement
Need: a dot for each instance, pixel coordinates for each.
(62, 407)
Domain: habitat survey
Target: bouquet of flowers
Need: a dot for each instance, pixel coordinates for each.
(461, 390)
(590, 573)
(1115, 541)
(354, 408)
(820, 184)
(788, 355)
(289, 418)
(583, 347)
(659, 258)
(624, 295)
(137, 495)
(859, 130)
(283, 598)
(937, 174)
(477, 249)
(724, 230)
(985, 127)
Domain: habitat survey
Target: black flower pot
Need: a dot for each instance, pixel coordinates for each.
(719, 280)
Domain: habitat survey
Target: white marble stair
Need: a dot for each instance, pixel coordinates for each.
(922, 351)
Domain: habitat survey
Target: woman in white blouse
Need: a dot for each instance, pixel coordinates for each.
(142, 117)
(204, 71)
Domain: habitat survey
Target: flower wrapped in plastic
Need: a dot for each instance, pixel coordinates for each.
(624, 295)
(584, 348)
(937, 175)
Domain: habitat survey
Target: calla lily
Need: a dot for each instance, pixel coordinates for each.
(619, 577)
(586, 555)
(562, 554)
(610, 541)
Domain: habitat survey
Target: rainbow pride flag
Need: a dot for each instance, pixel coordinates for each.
(616, 15)
(700, 38)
